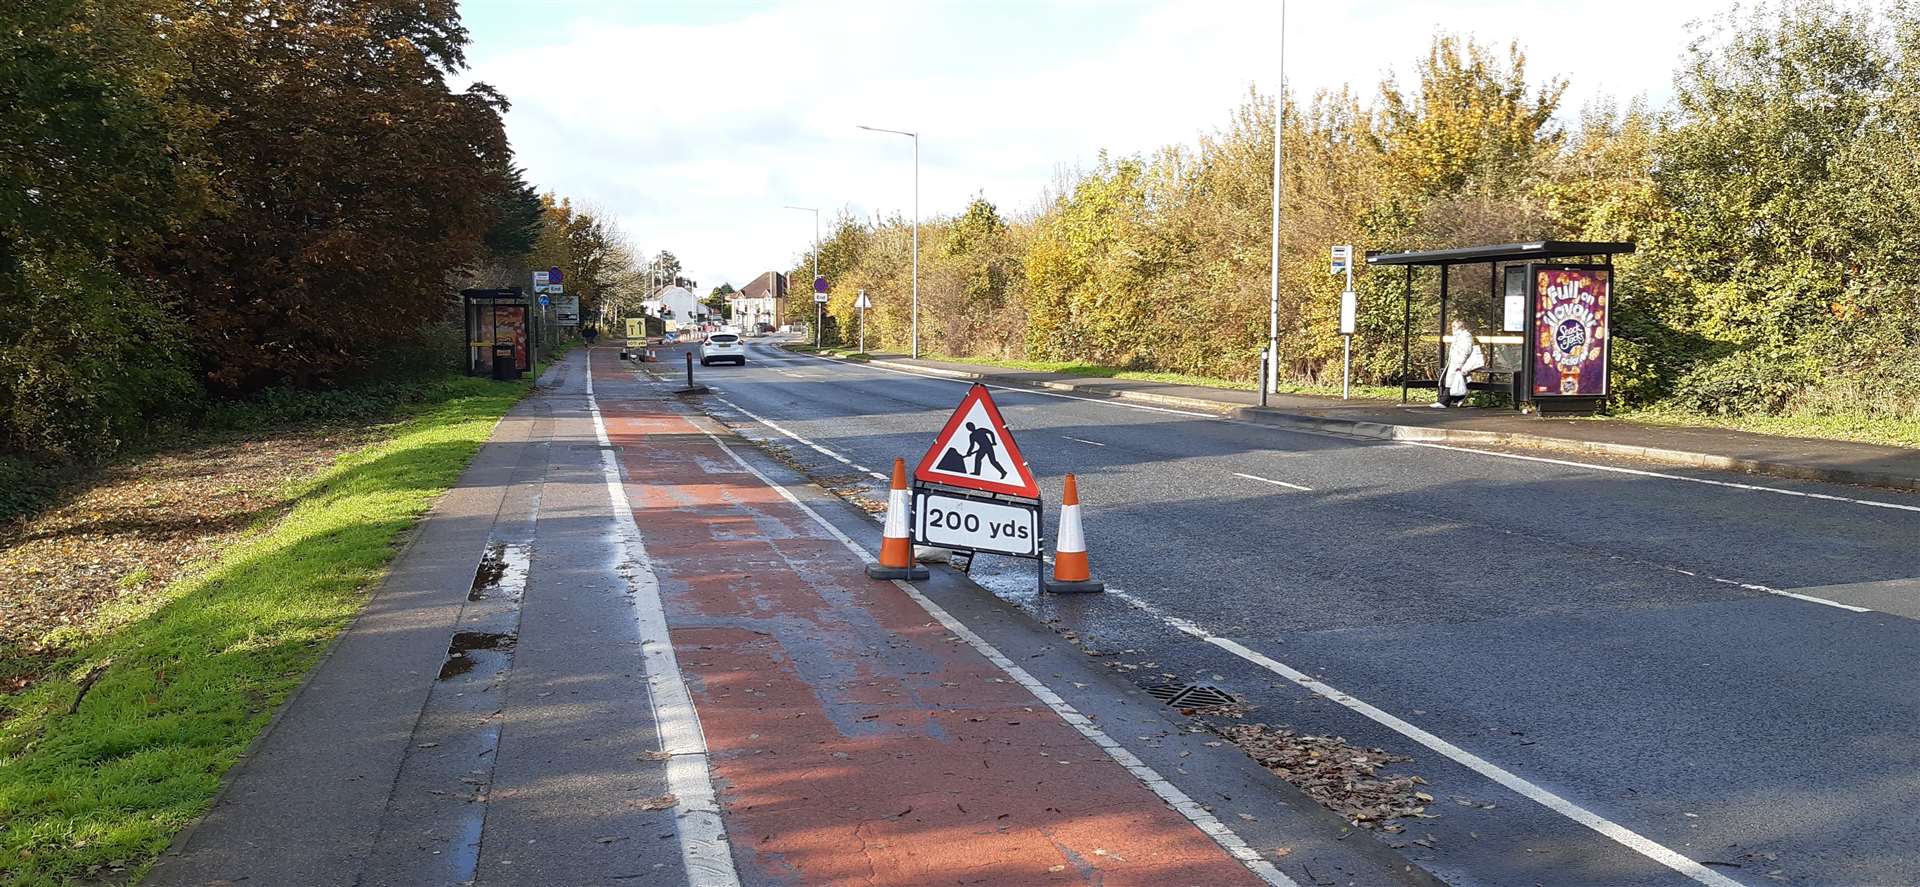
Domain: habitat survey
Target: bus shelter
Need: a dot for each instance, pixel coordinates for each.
(496, 317)
(1545, 324)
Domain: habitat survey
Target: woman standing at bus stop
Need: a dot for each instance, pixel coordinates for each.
(1463, 357)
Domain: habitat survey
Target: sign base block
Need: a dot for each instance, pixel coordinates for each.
(1089, 587)
(875, 571)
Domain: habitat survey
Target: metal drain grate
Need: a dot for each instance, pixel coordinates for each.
(1191, 695)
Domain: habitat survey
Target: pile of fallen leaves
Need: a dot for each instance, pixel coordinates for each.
(1343, 778)
(136, 526)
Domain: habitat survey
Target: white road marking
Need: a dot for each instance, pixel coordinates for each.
(1618, 833)
(1084, 441)
(703, 835)
(1168, 792)
(1277, 483)
(1434, 446)
(1565, 462)
(822, 450)
(1873, 503)
(1792, 594)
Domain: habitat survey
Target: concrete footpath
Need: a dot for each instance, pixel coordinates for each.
(1719, 449)
(628, 648)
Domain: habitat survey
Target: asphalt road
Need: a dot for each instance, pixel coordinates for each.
(1602, 674)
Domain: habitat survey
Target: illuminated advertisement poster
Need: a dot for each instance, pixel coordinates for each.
(1570, 317)
(511, 321)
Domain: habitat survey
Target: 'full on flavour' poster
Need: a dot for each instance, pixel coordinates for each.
(1570, 317)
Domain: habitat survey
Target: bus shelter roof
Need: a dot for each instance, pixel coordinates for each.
(1501, 252)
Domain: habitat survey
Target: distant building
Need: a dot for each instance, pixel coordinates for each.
(764, 300)
(677, 305)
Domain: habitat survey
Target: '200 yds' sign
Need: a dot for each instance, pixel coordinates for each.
(975, 524)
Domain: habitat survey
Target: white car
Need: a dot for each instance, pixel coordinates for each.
(723, 346)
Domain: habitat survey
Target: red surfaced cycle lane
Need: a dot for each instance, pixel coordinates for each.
(853, 739)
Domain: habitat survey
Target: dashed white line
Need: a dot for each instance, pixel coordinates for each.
(1515, 456)
(1167, 791)
(1277, 483)
(704, 849)
(1618, 833)
(1083, 440)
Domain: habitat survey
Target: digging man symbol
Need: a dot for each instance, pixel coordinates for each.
(980, 445)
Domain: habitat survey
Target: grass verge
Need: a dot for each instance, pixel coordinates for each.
(125, 742)
(1883, 430)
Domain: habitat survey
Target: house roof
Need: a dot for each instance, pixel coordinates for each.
(770, 283)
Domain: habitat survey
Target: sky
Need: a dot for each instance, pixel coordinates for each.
(692, 124)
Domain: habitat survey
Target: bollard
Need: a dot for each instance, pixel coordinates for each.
(691, 388)
(1263, 378)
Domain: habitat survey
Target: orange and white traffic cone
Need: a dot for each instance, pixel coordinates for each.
(896, 546)
(1071, 574)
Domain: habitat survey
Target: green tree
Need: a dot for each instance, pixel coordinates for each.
(1762, 252)
(90, 170)
(350, 182)
(717, 300)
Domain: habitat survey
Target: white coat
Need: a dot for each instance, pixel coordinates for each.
(1463, 357)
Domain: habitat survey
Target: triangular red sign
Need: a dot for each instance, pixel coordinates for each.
(975, 451)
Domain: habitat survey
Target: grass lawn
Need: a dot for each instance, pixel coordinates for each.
(125, 742)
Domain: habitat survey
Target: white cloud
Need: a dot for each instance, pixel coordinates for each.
(695, 135)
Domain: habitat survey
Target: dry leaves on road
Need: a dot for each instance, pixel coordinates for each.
(1343, 778)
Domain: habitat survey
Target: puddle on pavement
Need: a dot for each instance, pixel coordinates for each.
(467, 642)
(503, 568)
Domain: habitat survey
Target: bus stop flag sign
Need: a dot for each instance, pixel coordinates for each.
(975, 452)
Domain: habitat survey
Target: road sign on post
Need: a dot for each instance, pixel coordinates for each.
(1349, 315)
(862, 304)
(819, 307)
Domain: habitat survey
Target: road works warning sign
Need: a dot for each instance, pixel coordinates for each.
(969, 524)
(975, 452)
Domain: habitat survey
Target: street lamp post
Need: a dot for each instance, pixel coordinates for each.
(817, 323)
(1272, 381)
(915, 325)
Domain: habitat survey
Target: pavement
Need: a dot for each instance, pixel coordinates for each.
(1606, 672)
(634, 646)
(1830, 461)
